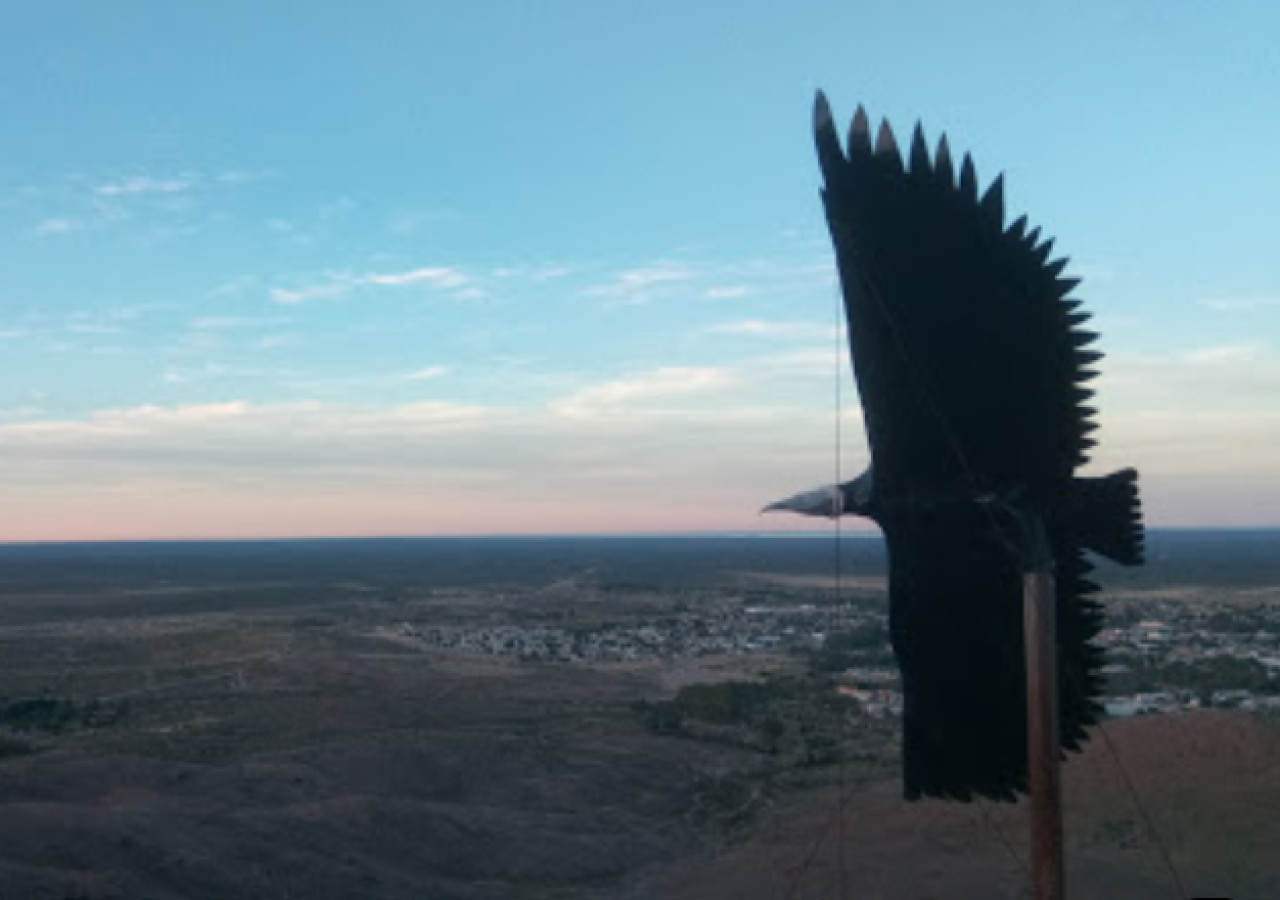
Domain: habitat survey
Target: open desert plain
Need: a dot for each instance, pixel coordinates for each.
(561, 718)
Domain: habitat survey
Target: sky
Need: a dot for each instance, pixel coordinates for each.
(414, 268)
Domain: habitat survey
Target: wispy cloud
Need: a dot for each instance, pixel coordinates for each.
(160, 206)
(58, 225)
(342, 284)
(27, 411)
(480, 467)
(426, 373)
(209, 370)
(94, 328)
(806, 363)
(155, 430)
(711, 280)
(726, 291)
(639, 285)
(649, 446)
(105, 321)
(338, 286)
(625, 395)
(144, 184)
(281, 226)
(772, 329)
(240, 176)
(532, 273)
(223, 323)
(233, 286)
(1240, 304)
(277, 341)
(1241, 377)
(436, 276)
(1226, 354)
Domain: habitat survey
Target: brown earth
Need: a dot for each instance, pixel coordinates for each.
(1208, 785)
(285, 751)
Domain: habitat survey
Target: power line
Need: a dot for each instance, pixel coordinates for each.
(1146, 816)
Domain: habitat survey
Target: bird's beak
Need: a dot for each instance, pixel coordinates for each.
(825, 501)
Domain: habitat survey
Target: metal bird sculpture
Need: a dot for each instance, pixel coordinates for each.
(971, 365)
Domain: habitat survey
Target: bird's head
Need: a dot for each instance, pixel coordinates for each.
(852, 497)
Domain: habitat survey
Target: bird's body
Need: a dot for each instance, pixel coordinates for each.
(971, 368)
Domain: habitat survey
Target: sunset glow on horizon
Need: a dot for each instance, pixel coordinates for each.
(430, 269)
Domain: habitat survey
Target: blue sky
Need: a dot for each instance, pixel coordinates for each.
(428, 268)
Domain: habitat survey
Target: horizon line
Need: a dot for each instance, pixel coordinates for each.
(858, 533)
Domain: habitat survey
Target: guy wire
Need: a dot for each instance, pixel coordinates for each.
(837, 320)
(837, 499)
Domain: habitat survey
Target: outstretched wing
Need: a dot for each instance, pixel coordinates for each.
(971, 367)
(956, 621)
(954, 617)
(968, 354)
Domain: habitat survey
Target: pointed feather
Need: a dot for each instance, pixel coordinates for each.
(1086, 357)
(968, 179)
(993, 202)
(1078, 318)
(830, 157)
(1056, 267)
(1017, 229)
(887, 145)
(943, 167)
(1066, 285)
(860, 134)
(1041, 252)
(920, 163)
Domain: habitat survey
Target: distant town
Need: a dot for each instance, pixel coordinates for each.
(1186, 653)
(1164, 654)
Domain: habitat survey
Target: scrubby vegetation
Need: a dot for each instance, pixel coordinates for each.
(56, 715)
(1200, 677)
(865, 644)
(799, 719)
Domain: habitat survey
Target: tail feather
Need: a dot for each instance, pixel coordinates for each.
(1106, 515)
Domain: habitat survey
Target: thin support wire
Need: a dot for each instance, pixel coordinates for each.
(838, 817)
(811, 854)
(837, 318)
(995, 828)
(948, 430)
(1146, 817)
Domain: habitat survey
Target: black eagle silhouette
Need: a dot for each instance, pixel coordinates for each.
(971, 366)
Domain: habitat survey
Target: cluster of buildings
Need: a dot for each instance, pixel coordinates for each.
(1147, 634)
(1184, 639)
(730, 628)
(557, 644)
(725, 626)
(1147, 702)
(1164, 633)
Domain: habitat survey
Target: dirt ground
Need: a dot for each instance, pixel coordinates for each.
(266, 739)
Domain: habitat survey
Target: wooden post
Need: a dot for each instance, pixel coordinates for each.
(1044, 773)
